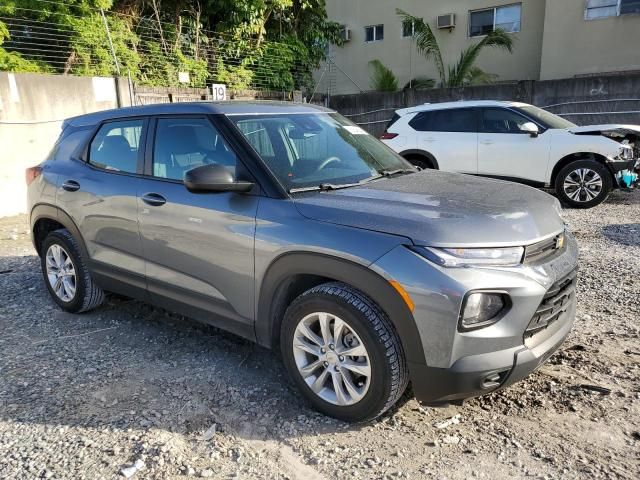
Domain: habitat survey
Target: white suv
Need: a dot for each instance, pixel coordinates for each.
(519, 142)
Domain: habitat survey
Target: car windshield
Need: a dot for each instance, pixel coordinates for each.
(548, 119)
(308, 150)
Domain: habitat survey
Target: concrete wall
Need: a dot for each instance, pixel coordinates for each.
(399, 53)
(575, 46)
(32, 108)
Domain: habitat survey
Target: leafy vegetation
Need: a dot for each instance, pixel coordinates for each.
(464, 72)
(382, 78)
(421, 83)
(262, 44)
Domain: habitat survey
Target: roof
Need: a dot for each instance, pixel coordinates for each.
(232, 107)
(463, 103)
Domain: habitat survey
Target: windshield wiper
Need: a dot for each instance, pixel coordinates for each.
(387, 174)
(390, 173)
(324, 187)
(327, 187)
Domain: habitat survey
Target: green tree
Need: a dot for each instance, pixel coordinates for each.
(262, 44)
(382, 78)
(464, 72)
(12, 61)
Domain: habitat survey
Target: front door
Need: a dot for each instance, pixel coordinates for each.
(198, 246)
(506, 151)
(101, 198)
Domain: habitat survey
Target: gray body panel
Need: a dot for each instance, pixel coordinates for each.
(440, 209)
(198, 248)
(105, 211)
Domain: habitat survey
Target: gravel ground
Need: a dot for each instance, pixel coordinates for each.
(87, 396)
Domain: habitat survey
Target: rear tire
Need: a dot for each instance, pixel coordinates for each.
(66, 274)
(583, 184)
(357, 370)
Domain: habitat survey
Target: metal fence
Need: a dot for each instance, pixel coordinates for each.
(585, 100)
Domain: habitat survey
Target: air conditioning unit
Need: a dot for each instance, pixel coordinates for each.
(345, 33)
(447, 21)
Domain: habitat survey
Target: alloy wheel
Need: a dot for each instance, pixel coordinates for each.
(331, 358)
(583, 185)
(61, 273)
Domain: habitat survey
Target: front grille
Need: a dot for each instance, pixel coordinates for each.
(555, 303)
(544, 249)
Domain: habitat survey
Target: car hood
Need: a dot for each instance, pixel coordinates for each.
(620, 129)
(440, 209)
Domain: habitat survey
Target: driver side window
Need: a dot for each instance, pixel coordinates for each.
(185, 143)
(501, 120)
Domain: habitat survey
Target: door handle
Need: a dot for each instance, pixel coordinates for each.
(429, 139)
(71, 186)
(154, 199)
(486, 142)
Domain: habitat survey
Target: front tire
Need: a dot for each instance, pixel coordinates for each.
(66, 274)
(343, 353)
(583, 184)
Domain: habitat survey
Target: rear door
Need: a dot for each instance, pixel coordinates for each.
(450, 136)
(198, 246)
(505, 151)
(100, 197)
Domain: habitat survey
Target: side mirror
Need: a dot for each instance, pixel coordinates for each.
(213, 178)
(530, 128)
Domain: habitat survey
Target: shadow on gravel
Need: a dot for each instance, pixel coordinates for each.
(624, 234)
(129, 365)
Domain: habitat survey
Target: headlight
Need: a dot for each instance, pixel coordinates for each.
(468, 257)
(481, 309)
(626, 153)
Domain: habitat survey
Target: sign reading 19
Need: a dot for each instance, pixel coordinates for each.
(219, 92)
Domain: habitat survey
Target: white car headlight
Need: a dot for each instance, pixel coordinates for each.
(626, 152)
(468, 257)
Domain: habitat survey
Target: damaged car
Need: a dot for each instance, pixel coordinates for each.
(519, 142)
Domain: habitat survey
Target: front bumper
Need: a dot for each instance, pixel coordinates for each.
(462, 364)
(476, 375)
(625, 173)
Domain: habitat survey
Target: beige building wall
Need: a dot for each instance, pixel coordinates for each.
(399, 53)
(575, 46)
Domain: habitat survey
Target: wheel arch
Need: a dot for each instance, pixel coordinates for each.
(566, 160)
(421, 154)
(291, 274)
(45, 219)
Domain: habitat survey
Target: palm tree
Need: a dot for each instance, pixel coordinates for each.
(382, 79)
(464, 72)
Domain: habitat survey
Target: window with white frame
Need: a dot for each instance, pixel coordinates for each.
(408, 28)
(610, 8)
(483, 22)
(373, 33)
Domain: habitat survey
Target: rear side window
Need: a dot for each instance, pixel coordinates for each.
(68, 145)
(420, 122)
(115, 146)
(453, 120)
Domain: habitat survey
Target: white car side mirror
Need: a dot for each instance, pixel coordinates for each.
(530, 128)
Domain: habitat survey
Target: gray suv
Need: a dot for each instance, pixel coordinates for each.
(291, 226)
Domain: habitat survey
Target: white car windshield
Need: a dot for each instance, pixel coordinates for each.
(306, 150)
(547, 119)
